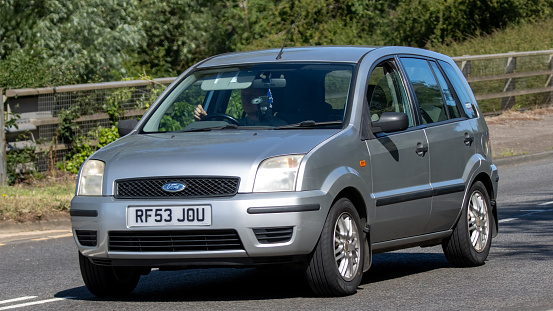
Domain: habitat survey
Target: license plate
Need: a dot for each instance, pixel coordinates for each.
(141, 216)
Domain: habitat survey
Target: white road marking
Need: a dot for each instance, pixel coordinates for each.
(16, 299)
(21, 305)
(507, 220)
(546, 203)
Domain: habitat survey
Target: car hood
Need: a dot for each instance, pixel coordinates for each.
(217, 153)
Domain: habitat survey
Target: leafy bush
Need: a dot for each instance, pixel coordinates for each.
(84, 147)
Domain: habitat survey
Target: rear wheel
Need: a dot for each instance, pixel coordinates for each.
(470, 243)
(336, 265)
(103, 281)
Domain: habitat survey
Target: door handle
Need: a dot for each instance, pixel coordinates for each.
(421, 149)
(469, 139)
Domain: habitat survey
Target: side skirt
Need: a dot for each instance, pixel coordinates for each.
(430, 239)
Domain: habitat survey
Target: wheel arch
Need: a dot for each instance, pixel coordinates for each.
(356, 198)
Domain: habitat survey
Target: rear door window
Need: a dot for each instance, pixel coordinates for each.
(427, 90)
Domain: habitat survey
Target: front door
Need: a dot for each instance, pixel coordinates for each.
(399, 162)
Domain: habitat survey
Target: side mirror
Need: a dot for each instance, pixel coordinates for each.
(126, 126)
(390, 122)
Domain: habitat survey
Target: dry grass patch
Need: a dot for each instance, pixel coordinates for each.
(38, 200)
(525, 115)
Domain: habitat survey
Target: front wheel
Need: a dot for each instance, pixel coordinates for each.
(470, 243)
(336, 265)
(103, 281)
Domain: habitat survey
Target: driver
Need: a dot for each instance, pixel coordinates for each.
(252, 114)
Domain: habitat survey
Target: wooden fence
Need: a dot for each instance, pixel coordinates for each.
(500, 82)
(534, 68)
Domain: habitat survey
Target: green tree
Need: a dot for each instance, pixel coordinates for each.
(178, 33)
(420, 22)
(89, 36)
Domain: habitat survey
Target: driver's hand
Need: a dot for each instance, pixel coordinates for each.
(199, 112)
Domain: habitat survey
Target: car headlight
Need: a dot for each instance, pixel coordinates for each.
(277, 174)
(91, 179)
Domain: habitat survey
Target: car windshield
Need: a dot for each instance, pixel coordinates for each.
(256, 96)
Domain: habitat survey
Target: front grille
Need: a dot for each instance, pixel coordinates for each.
(194, 187)
(174, 241)
(87, 237)
(273, 235)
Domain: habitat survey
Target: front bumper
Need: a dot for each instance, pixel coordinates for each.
(303, 213)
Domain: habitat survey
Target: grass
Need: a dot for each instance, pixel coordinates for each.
(39, 200)
(507, 153)
(514, 38)
(520, 37)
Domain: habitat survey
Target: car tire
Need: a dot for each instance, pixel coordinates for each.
(105, 281)
(470, 243)
(335, 267)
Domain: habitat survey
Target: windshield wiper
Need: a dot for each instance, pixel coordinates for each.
(207, 129)
(309, 124)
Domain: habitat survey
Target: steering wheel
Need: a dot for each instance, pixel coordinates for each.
(222, 116)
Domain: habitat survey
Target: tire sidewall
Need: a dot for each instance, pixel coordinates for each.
(477, 257)
(327, 238)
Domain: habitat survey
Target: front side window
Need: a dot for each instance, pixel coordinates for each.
(267, 95)
(386, 92)
(426, 89)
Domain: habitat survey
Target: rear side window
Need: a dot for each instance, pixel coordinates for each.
(450, 101)
(466, 102)
(426, 89)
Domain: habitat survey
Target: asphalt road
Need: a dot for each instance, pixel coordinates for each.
(41, 272)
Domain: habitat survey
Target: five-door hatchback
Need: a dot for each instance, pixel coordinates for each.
(319, 157)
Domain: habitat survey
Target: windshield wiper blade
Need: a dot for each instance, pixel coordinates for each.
(207, 129)
(309, 124)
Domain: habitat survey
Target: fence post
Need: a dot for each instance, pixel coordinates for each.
(3, 168)
(465, 67)
(549, 82)
(510, 83)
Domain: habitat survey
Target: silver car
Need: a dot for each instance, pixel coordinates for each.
(320, 157)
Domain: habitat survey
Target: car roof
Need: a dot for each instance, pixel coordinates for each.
(347, 54)
(335, 54)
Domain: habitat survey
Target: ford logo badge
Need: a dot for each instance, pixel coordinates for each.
(173, 187)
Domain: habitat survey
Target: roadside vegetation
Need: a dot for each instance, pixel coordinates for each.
(59, 42)
(37, 199)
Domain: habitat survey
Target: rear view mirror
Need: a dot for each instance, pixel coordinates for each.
(269, 83)
(126, 126)
(390, 122)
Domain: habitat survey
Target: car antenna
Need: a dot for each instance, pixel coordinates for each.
(279, 56)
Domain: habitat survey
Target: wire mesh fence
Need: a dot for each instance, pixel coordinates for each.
(43, 112)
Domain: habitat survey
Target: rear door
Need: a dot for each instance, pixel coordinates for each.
(450, 138)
